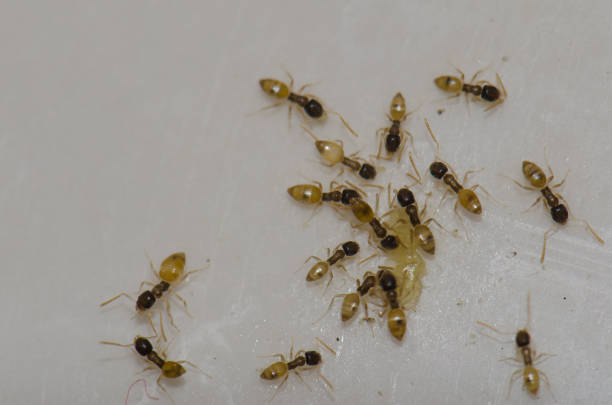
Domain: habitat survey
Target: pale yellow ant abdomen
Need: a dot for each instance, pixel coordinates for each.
(274, 371)
(531, 378)
(449, 83)
(397, 323)
(534, 174)
(330, 151)
(425, 238)
(172, 369)
(307, 193)
(398, 107)
(362, 210)
(469, 200)
(274, 88)
(172, 267)
(350, 305)
(317, 271)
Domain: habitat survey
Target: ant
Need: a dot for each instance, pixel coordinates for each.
(422, 233)
(321, 268)
(558, 211)
(364, 213)
(304, 360)
(393, 136)
(465, 196)
(483, 89)
(350, 303)
(168, 369)
(396, 319)
(171, 273)
(312, 107)
(527, 357)
(333, 153)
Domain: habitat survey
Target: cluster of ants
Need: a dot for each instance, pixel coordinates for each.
(393, 287)
(397, 286)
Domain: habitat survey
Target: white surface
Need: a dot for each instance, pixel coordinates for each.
(123, 128)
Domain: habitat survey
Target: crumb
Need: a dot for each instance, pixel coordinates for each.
(440, 111)
(505, 59)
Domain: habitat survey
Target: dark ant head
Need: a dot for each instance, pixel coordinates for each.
(145, 301)
(314, 109)
(312, 358)
(438, 169)
(386, 279)
(489, 93)
(367, 171)
(522, 338)
(392, 143)
(348, 194)
(350, 248)
(389, 242)
(405, 197)
(559, 214)
(143, 346)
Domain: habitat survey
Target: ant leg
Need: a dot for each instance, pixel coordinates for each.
(513, 377)
(544, 245)
(380, 135)
(562, 181)
(475, 186)
(461, 219)
(418, 177)
(368, 258)
(390, 201)
(437, 223)
(314, 211)
(518, 361)
(278, 388)
(367, 318)
(170, 315)
(127, 396)
(501, 84)
(194, 366)
(532, 205)
(542, 357)
(146, 369)
(329, 384)
(346, 124)
(331, 277)
(291, 81)
(302, 380)
(325, 345)
(520, 185)
(331, 303)
(313, 257)
(266, 108)
(279, 355)
(433, 137)
(547, 381)
(486, 325)
(105, 342)
(164, 389)
(584, 221)
(161, 326)
(145, 283)
(465, 176)
(184, 303)
(115, 297)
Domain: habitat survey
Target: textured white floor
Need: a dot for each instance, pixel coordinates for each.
(124, 129)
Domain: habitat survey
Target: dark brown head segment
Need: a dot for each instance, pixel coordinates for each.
(489, 93)
(350, 248)
(438, 169)
(392, 142)
(405, 197)
(367, 171)
(389, 242)
(312, 358)
(145, 301)
(314, 109)
(386, 280)
(143, 346)
(522, 338)
(559, 214)
(348, 194)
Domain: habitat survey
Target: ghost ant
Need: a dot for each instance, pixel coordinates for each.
(466, 197)
(321, 268)
(393, 137)
(171, 274)
(168, 369)
(482, 90)
(558, 211)
(304, 360)
(527, 357)
(350, 302)
(312, 107)
(333, 153)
